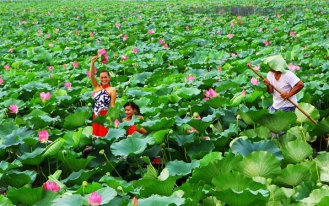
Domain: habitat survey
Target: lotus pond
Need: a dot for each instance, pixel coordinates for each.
(209, 138)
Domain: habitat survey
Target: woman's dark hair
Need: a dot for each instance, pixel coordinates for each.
(105, 71)
(133, 106)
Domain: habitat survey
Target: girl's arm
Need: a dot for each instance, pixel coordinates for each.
(141, 130)
(92, 72)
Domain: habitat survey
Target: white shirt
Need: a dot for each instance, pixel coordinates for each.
(285, 84)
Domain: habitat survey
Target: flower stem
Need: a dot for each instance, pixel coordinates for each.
(112, 166)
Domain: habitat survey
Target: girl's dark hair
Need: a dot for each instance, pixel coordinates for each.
(105, 71)
(133, 106)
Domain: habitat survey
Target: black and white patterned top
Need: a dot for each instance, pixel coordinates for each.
(102, 101)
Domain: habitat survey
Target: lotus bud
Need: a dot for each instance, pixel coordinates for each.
(101, 152)
(84, 183)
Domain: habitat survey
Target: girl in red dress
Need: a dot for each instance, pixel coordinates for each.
(104, 97)
(132, 109)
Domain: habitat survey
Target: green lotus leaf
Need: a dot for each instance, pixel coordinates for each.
(159, 136)
(173, 97)
(115, 134)
(115, 183)
(53, 148)
(304, 190)
(250, 117)
(281, 195)
(309, 109)
(47, 199)
(296, 151)
(215, 168)
(33, 158)
(245, 147)
(18, 102)
(201, 149)
(262, 132)
(236, 100)
(39, 118)
(160, 201)
(5, 166)
(181, 168)
(324, 201)
(236, 189)
(278, 121)
(158, 124)
(321, 128)
(193, 193)
(25, 195)
(316, 196)
(314, 169)
(72, 161)
(131, 146)
(156, 186)
(251, 97)
(91, 187)
(68, 200)
(210, 157)
(217, 102)
(293, 175)
(80, 176)
(18, 179)
(5, 201)
(322, 161)
(76, 120)
(201, 124)
(184, 139)
(15, 138)
(259, 164)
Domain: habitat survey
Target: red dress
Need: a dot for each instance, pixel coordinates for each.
(131, 129)
(102, 103)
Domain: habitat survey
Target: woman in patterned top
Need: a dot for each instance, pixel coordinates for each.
(104, 97)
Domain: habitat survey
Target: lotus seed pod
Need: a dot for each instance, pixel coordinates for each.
(84, 183)
(189, 106)
(211, 126)
(101, 152)
(188, 113)
(195, 114)
(119, 188)
(262, 97)
(300, 128)
(238, 116)
(89, 104)
(319, 184)
(171, 131)
(64, 152)
(269, 180)
(108, 174)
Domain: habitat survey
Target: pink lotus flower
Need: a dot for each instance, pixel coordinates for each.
(43, 136)
(249, 64)
(198, 117)
(1, 81)
(125, 37)
(117, 25)
(206, 138)
(165, 46)
(45, 96)
(75, 64)
(124, 57)
(150, 31)
(68, 85)
(6, 67)
(11, 50)
(64, 66)
(35, 22)
(190, 78)
(187, 28)
(88, 73)
(91, 34)
(232, 24)
(266, 43)
(256, 67)
(105, 60)
(278, 15)
(57, 29)
(234, 54)
(77, 32)
(211, 93)
(135, 201)
(50, 68)
(266, 19)
(218, 32)
(116, 123)
(260, 29)
(13, 108)
(95, 199)
(292, 33)
(47, 36)
(293, 67)
(254, 81)
(161, 41)
(275, 29)
(50, 45)
(244, 92)
(101, 52)
(52, 186)
(230, 36)
(191, 130)
(135, 50)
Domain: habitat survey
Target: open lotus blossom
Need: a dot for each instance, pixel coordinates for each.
(211, 93)
(101, 52)
(50, 68)
(134, 201)
(234, 54)
(244, 92)
(190, 78)
(165, 46)
(52, 186)
(6, 67)
(275, 29)
(125, 37)
(150, 31)
(68, 85)
(191, 130)
(95, 199)
(47, 36)
(135, 50)
(124, 57)
(292, 33)
(1, 81)
(75, 64)
(161, 41)
(293, 67)
(64, 66)
(254, 81)
(230, 36)
(43, 136)
(105, 59)
(13, 109)
(249, 64)
(278, 15)
(11, 50)
(116, 123)
(187, 28)
(91, 34)
(50, 45)
(88, 73)
(232, 24)
(45, 96)
(266, 43)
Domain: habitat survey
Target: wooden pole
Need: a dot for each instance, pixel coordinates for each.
(300, 109)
